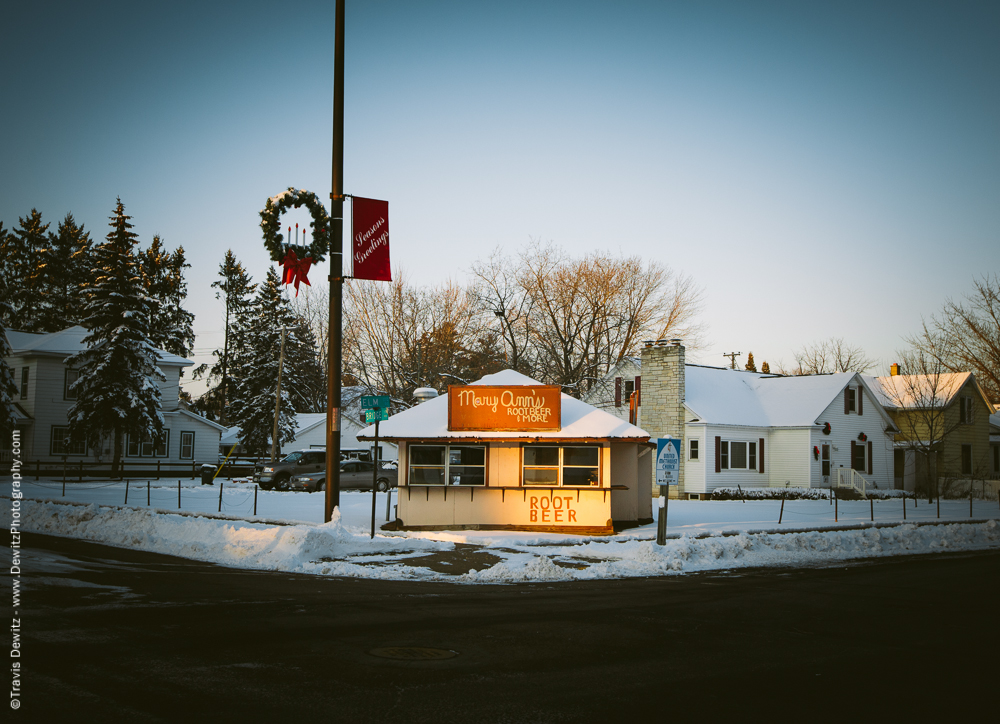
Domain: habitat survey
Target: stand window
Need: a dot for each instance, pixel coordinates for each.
(570, 466)
(456, 464)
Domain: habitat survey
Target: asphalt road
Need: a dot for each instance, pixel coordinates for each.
(117, 635)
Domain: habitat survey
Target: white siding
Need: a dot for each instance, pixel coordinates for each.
(845, 428)
(789, 458)
(694, 470)
(732, 478)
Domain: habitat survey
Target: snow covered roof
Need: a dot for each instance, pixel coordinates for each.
(921, 391)
(731, 397)
(69, 341)
(579, 420)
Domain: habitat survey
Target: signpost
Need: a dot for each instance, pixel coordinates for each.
(668, 464)
(376, 409)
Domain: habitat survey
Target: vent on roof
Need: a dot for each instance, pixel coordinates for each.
(422, 394)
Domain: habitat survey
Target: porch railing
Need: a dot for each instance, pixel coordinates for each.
(851, 478)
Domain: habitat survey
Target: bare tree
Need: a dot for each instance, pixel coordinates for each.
(965, 336)
(829, 356)
(499, 296)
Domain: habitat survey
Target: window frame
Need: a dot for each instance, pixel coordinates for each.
(693, 449)
(966, 458)
(67, 395)
(863, 447)
(25, 376)
(60, 450)
(561, 466)
(190, 435)
(852, 400)
(447, 465)
(750, 454)
(140, 446)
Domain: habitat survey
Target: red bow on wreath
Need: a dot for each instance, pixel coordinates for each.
(296, 270)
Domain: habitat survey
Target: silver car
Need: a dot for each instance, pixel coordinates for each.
(301, 462)
(354, 475)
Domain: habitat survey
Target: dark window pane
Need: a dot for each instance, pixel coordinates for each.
(541, 456)
(426, 476)
(541, 476)
(467, 456)
(581, 456)
(580, 476)
(427, 455)
(467, 476)
(738, 455)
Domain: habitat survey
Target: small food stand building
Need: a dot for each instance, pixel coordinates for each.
(509, 453)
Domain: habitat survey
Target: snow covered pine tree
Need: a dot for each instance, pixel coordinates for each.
(255, 369)
(117, 391)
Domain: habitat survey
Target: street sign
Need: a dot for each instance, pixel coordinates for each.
(376, 415)
(369, 402)
(668, 460)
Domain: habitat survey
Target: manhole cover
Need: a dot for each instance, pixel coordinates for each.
(413, 653)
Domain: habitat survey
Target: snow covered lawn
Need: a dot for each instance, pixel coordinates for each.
(288, 535)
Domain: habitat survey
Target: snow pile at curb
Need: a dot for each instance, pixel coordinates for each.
(337, 550)
(293, 548)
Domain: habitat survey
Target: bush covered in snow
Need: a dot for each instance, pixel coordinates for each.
(795, 494)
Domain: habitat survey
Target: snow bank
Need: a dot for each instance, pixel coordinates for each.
(333, 549)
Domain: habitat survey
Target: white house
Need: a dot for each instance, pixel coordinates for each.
(751, 429)
(44, 399)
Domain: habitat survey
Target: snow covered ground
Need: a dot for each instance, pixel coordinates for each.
(287, 533)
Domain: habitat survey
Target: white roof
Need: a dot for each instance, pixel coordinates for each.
(429, 420)
(731, 397)
(69, 341)
(920, 391)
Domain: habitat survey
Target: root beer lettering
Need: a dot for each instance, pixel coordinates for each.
(557, 509)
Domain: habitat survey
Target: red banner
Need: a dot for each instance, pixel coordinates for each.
(370, 239)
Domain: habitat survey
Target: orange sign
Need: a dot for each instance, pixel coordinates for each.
(504, 408)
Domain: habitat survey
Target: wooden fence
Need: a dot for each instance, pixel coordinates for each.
(140, 469)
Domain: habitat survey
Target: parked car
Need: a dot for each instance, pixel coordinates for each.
(276, 475)
(354, 475)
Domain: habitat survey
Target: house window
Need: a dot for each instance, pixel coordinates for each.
(825, 456)
(738, 455)
(147, 447)
(457, 464)
(187, 446)
(572, 465)
(24, 383)
(692, 450)
(69, 378)
(967, 410)
(858, 461)
(852, 400)
(966, 459)
(62, 443)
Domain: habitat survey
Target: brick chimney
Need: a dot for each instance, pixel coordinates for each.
(663, 394)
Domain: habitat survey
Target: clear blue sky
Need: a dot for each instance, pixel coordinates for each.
(821, 169)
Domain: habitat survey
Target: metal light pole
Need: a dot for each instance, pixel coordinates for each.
(336, 277)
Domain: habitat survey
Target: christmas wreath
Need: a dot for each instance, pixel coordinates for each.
(296, 258)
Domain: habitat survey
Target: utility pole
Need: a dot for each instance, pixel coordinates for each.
(277, 399)
(336, 277)
(732, 358)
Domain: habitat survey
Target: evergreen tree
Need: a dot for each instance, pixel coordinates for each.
(26, 256)
(235, 287)
(117, 391)
(751, 366)
(66, 272)
(765, 368)
(171, 327)
(8, 388)
(255, 369)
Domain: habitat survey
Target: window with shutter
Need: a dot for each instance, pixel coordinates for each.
(861, 400)
(869, 457)
(618, 391)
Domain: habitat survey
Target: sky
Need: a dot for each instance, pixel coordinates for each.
(820, 169)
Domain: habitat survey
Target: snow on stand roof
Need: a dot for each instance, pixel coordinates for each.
(578, 420)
